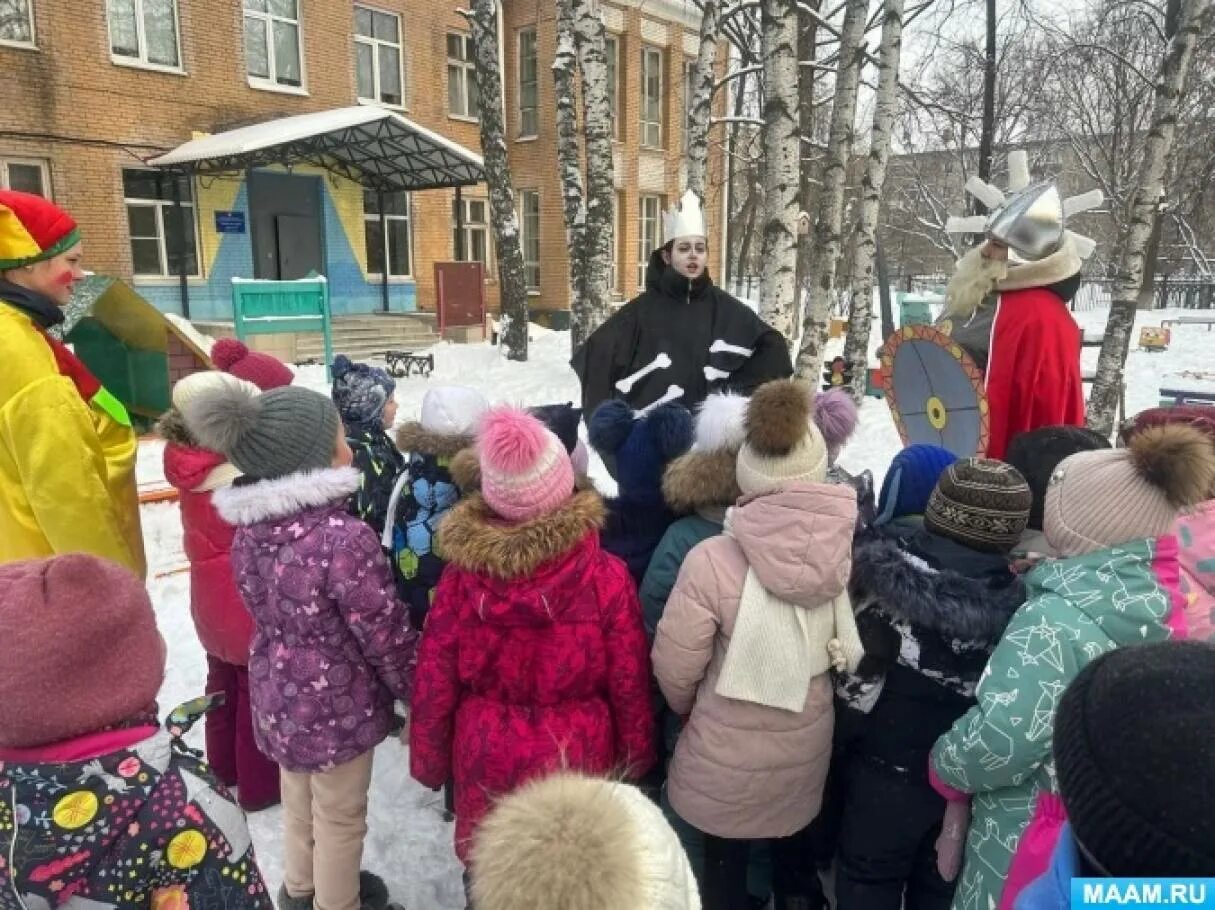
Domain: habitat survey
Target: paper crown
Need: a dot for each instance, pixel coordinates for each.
(1033, 221)
(685, 219)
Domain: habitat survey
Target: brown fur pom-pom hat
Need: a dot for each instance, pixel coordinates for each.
(1109, 497)
(783, 443)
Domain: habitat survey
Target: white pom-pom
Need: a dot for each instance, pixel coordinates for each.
(720, 424)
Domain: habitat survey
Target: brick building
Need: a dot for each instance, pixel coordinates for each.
(91, 91)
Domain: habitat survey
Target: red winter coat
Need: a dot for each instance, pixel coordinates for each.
(224, 626)
(1033, 367)
(534, 657)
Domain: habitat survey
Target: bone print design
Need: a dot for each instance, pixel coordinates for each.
(661, 362)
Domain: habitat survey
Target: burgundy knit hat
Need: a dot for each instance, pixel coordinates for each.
(79, 649)
(263, 370)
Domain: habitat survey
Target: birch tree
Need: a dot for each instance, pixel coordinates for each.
(701, 112)
(827, 230)
(860, 319)
(569, 162)
(782, 176)
(483, 27)
(1185, 18)
(596, 304)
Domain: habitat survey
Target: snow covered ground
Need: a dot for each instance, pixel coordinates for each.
(409, 843)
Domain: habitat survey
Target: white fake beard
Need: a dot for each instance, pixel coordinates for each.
(974, 277)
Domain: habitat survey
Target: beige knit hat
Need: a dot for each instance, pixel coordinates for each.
(783, 444)
(1107, 497)
(188, 388)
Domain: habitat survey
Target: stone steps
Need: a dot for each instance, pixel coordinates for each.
(361, 337)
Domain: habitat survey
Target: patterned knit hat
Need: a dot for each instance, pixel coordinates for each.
(784, 445)
(580, 843)
(525, 470)
(263, 370)
(276, 433)
(1113, 496)
(360, 391)
(79, 649)
(1037, 453)
(980, 503)
(32, 229)
(1135, 759)
(910, 480)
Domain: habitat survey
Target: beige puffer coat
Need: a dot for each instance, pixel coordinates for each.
(744, 770)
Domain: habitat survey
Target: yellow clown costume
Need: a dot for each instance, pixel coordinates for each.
(67, 450)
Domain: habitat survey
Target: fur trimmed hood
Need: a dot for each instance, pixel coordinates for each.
(475, 539)
(579, 842)
(172, 428)
(944, 601)
(269, 500)
(413, 438)
(701, 480)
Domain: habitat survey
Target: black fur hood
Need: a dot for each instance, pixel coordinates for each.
(942, 601)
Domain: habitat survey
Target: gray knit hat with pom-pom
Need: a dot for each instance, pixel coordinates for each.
(279, 432)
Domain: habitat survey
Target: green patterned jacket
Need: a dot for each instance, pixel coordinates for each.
(1000, 751)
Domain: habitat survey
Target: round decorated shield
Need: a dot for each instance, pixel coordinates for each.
(935, 391)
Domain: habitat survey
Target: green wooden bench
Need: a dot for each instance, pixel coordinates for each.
(276, 307)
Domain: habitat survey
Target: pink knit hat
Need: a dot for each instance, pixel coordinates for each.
(79, 649)
(525, 471)
(263, 370)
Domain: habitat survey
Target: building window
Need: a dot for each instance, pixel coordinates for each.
(649, 237)
(462, 98)
(144, 32)
(377, 56)
(529, 85)
(689, 90)
(272, 43)
(158, 248)
(529, 237)
(651, 97)
(25, 177)
(16, 22)
(391, 233)
(614, 252)
(476, 232)
(611, 51)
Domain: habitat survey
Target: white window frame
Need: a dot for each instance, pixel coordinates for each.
(525, 237)
(141, 61)
(160, 205)
(469, 228)
(648, 53)
(374, 44)
(32, 44)
(521, 132)
(7, 160)
(617, 211)
(382, 222)
(271, 84)
(646, 243)
(613, 84)
(468, 75)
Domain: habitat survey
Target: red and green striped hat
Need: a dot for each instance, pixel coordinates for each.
(32, 229)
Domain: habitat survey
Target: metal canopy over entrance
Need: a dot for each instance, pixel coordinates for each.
(376, 148)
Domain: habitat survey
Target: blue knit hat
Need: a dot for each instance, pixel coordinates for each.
(360, 391)
(643, 444)
(910, 480)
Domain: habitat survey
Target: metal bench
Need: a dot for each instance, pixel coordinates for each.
(406, 363)
(1185, 396)
(1208, 321)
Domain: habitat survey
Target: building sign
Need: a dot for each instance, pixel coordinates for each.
(229, 222)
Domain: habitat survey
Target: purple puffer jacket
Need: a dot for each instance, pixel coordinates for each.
(333, 645)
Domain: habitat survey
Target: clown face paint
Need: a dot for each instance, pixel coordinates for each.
(54, 277)
(689, 256)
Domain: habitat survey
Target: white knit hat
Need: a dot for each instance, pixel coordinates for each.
(453, 410)
(190, 387)
(783, 445)
(580, 843)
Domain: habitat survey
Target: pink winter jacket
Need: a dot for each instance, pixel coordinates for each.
(1196, 534)
(743, 770)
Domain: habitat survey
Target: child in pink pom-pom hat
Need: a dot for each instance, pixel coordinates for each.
(534, 657)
